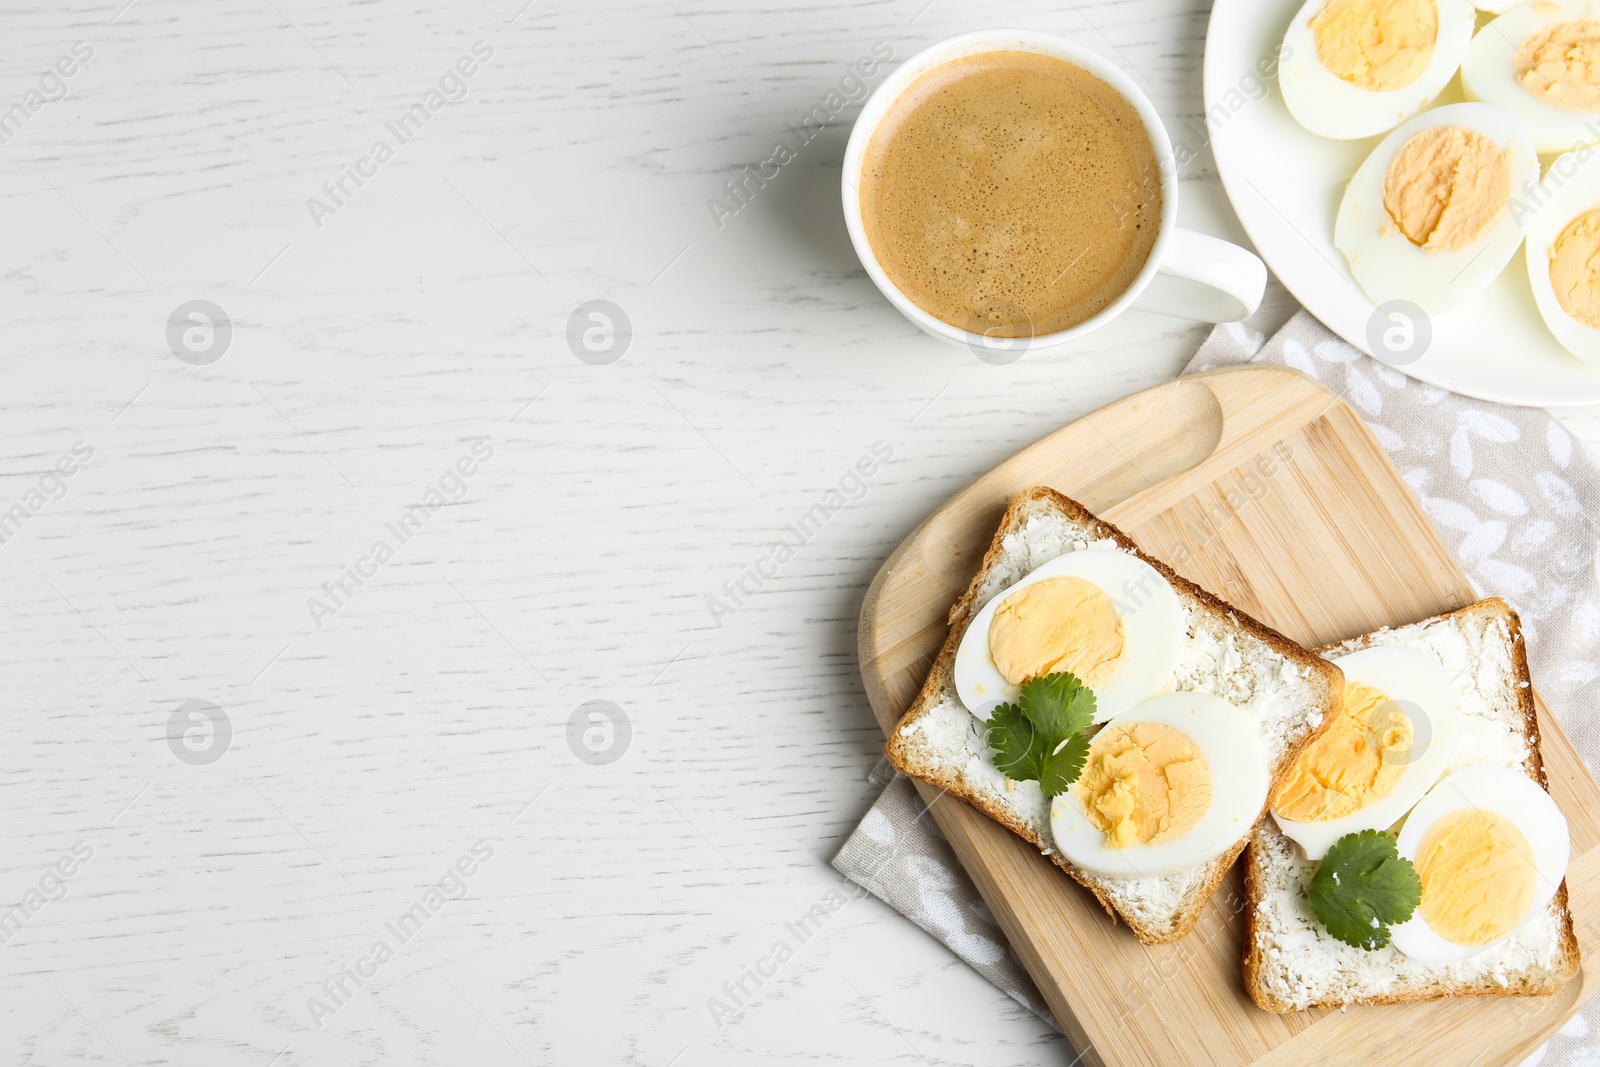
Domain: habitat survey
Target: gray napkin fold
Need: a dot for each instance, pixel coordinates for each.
(1511, 492)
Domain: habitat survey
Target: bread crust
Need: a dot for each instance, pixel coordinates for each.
(1526, 985)
(939, 677)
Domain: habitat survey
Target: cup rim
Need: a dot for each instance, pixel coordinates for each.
(975, 42)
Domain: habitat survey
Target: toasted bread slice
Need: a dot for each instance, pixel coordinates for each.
(1288, 691)
(1291, 962)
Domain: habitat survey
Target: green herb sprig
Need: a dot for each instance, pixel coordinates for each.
(1362, 886)
(1040, 738)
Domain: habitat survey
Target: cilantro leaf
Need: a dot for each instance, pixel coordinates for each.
(1041, 738)
(1017, 746)
(1062, 767)
(1059, 704)
(1362, 885)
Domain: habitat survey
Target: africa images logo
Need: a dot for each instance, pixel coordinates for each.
(851, 88)
(852, 485)
(339, 988)
(52, 86)
(451, 88)
(451, 488)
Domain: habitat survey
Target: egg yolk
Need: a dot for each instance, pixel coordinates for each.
(1144, 783)
(1477, 877)
(1560, 65)
(1355, 762)
(1446, 187)
(1575, 268)
(1060, 624)
(1377, 45)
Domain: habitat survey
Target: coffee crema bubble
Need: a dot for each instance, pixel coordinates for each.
(1011, 180)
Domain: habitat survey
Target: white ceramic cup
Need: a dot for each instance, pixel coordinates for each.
(1204, 278)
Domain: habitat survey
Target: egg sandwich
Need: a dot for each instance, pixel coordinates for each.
(1122, 720)
(1438, 735)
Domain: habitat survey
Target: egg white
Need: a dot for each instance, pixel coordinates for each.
(1571, 187)
(1488, 73)
(1407, 676)
(1385, 262)
(1513, 796)
(1329, 106)
(1152, 630)
(1231, 745)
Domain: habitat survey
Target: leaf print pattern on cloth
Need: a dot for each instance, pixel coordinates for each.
(1476, 423)
(900, 857)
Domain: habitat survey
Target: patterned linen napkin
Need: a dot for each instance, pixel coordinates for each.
(1510, 491)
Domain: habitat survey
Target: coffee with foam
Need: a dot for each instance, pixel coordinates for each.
(1011, 194)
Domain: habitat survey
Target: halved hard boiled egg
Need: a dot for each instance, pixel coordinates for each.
(1541, 62)
(1388, 745)
(1355, 68)
(1563, 252)
(1172, 782)
(1491, 849)
(1103, 614)
(1428, 218)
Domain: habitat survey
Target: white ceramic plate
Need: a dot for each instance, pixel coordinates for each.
(1285, 183)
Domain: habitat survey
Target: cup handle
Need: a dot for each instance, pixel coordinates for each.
(1205, 278)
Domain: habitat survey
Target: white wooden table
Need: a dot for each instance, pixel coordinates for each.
(417, 321)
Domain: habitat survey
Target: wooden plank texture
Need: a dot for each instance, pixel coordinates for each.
(1262, 486)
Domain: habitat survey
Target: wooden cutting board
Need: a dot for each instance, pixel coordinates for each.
(1291, 511)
